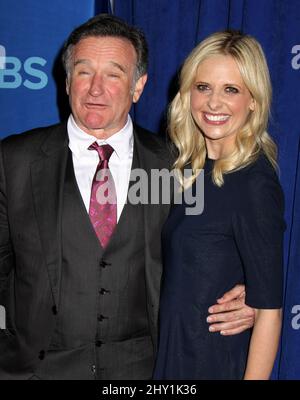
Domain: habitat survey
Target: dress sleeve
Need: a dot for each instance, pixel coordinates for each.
(258, 226)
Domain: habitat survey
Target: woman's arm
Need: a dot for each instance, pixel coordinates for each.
(258, 227)
(263, 344)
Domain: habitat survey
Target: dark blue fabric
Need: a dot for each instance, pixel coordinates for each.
(102, 6)
(32, 91)
(238, 238)
(173, 29)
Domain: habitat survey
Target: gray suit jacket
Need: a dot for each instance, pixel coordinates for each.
(32, 167)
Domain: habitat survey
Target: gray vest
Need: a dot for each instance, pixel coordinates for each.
(102, 329)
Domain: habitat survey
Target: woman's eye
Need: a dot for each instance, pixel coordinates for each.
(202, 87)
(231, 89)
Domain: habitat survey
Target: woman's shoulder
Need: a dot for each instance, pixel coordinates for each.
(261, 171)
(260, 183)
(262, 165)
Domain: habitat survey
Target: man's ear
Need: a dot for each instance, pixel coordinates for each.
(67, 86)
(139, 87)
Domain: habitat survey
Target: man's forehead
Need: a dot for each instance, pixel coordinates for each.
(117, 41)
(115, 47)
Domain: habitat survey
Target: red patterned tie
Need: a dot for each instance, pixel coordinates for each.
(103, 203)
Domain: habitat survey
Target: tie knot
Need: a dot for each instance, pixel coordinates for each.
(104, 151)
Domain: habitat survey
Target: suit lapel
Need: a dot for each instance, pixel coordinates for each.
(47, 175)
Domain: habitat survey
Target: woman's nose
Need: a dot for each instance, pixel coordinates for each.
(214, 101)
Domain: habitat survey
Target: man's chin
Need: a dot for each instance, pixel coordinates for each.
(98, 132)
(93, 125)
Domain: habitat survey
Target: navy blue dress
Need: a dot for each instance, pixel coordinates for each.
(237, 239)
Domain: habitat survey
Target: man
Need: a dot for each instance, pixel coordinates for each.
(82, 301)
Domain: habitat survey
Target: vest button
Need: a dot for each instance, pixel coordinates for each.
(101, 318)
(104, 291)
(98, 343)
(42, 354)
(54, 310)
(103, 263)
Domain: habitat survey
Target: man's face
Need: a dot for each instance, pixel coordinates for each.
(101, 85)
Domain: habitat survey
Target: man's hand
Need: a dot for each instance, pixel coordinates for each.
(231, 316)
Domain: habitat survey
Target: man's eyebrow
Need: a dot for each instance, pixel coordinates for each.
(113, 63)
(81, 61)
(119, 66)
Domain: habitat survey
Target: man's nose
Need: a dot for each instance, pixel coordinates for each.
(97, 86)
(215, 100)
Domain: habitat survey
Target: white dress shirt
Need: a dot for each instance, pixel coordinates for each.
(85, 161)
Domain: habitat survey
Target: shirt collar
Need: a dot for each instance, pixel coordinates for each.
(121, 141)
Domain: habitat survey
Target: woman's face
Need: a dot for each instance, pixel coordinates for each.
(220, 103)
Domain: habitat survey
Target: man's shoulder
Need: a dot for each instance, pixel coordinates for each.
(154, 144)
(31, 140)
(149, 138)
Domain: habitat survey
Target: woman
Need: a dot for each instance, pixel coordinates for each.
(218, 122)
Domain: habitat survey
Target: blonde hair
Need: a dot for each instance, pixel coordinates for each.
(252, 138)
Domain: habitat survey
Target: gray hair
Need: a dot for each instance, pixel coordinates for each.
(103, 25)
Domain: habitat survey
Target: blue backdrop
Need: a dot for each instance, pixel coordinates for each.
(32, 87)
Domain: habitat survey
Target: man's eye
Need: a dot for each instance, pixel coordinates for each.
(202, 87)
(82, 72)
(114, 75)
(231, 89)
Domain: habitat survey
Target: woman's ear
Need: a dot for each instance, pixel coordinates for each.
(252, 105)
